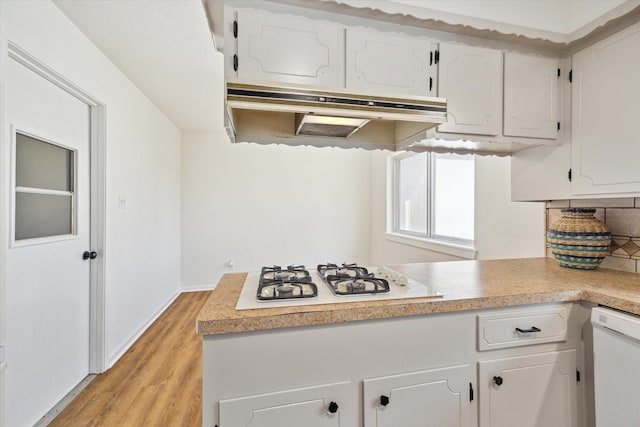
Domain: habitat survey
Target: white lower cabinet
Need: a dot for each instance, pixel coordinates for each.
(437, 397)
(320, 406)
(529, 391)
(440, 370)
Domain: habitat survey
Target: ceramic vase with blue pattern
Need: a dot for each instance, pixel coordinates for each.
(578, 240)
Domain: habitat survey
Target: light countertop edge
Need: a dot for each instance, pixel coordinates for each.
(465, 285)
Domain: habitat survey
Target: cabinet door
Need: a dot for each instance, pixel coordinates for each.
(536, 390)
(434, 398)
(387, 63)
(605, 121)
(471, 80)
(309, 407)
(530, 96)
(289, 50)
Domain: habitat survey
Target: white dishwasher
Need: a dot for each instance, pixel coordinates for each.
(616, 363)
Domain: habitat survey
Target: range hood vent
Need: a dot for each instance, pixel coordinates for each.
(297, 115)
(339, 127)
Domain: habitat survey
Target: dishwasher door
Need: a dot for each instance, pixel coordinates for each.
(616, 360)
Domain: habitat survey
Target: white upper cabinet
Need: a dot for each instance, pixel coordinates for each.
(470, 78)
(387, 63)
(530, 96)
(529, 391)
(605, 116)
(438, 397)
(289, 50)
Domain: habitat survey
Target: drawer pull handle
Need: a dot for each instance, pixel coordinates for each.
(528, 331)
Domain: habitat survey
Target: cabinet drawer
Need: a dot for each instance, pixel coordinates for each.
(522, 327)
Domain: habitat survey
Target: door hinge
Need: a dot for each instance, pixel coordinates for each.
(235, 62)
(436, 57)
(470, 392)
(570, 76)
(569, 175)
(558, 72)
(558, 126)
(577, 375)
(235, 29)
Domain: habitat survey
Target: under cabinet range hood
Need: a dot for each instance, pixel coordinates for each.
(299, 115)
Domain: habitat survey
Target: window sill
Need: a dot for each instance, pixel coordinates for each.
(434, 245)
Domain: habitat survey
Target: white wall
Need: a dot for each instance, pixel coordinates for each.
(143, 163)
(262, 205)
(503, 229)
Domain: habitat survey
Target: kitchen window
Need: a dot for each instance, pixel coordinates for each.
(431, 202)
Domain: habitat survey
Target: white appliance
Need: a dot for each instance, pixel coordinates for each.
(616, 359)
(3, 366)
(299, 114)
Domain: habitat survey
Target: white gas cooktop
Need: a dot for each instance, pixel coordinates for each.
(412, 289)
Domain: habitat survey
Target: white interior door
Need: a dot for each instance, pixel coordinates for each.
(48, 282)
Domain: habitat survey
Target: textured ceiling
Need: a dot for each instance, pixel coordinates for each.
(164, 47)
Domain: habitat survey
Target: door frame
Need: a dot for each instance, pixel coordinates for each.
(97, 167)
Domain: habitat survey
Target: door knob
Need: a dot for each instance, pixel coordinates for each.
(333, 408)
(497, 380)
(89, 255)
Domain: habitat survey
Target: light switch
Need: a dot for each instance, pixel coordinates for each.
(122, 203)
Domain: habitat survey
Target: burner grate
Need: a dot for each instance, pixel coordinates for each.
(351, 279)
(293, 282)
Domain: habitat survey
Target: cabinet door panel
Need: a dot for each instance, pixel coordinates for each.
(530, 96)
(437, 398)
(536, 390)
(387, 63)
(282, 49)
(471, 80)
(290, 408)
(605, 125)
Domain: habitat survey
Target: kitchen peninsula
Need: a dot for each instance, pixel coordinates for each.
(367, 363)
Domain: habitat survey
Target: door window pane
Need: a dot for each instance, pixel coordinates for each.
(42, 215)
(412, 193)
(453, 196)
(40, 164)
(44, 189)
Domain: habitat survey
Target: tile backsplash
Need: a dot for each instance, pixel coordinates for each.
(622, 217)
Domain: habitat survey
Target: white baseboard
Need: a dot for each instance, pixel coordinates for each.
(198, 288)
(116, 355)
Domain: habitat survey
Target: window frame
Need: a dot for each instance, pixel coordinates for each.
(13, 243)
(446, 244)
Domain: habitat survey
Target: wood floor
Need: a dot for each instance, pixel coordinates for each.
(158, 382)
